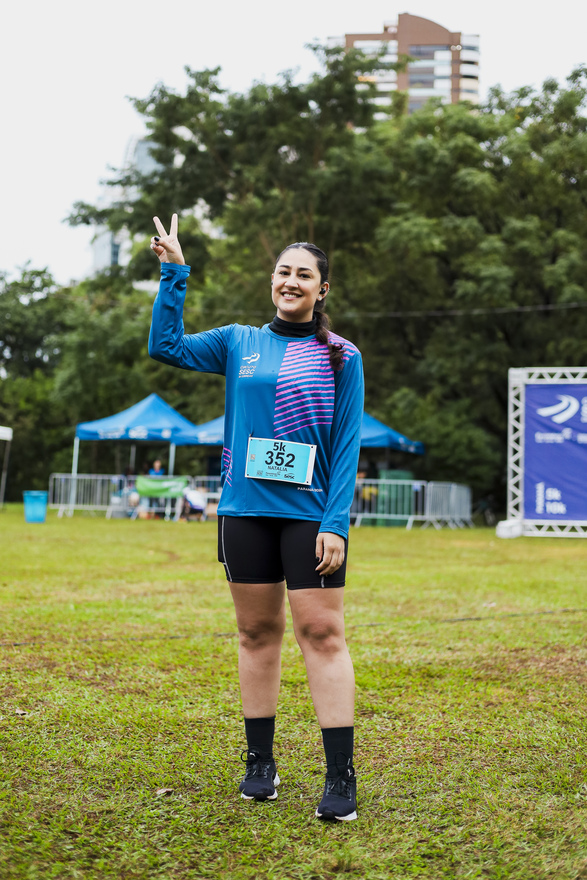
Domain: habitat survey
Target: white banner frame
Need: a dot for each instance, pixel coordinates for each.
(5, 434)
(518, 378)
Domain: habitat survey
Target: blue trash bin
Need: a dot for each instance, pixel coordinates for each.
(35, 506)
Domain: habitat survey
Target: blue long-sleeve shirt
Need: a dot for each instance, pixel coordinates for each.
(276, 387)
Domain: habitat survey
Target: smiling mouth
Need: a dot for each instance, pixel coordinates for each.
(295, 295)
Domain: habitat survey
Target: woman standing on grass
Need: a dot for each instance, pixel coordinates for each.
(294, 404)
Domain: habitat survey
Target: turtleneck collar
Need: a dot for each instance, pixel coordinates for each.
(292, 328)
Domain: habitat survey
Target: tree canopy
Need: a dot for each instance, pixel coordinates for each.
(457, 238)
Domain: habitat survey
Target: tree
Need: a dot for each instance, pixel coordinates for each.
(489, 214)
(457, 235)
(255, 161)
(73, 355)
(31, 322)
(32, 326)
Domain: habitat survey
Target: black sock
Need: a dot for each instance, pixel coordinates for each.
(337, 741)
(260, 732)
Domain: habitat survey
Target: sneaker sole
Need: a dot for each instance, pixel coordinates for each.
(269, 797)
(350, 818)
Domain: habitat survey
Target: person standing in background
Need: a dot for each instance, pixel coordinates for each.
(157, 470)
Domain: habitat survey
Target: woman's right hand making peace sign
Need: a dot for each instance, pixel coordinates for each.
(167, 247)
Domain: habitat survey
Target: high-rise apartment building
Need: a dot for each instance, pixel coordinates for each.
(445, 64)
(113, 248)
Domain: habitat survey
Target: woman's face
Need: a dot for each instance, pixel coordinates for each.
(296, 285)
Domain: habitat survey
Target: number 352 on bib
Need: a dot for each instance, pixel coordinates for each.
(280, 460)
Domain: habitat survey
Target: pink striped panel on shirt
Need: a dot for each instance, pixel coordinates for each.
(227, 462)
(305, 388)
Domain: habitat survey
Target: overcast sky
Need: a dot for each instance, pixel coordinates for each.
(67, 68)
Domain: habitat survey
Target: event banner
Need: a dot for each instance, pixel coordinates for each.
(555, 452)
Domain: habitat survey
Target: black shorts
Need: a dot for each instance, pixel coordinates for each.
(267, 550)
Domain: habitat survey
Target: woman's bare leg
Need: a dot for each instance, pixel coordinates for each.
(318, 620)
(318, 617)
(260, 616)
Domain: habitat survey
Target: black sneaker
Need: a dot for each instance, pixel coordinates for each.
(260, 780)
(339, 800)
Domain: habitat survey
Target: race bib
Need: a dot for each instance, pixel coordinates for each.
(280, 460)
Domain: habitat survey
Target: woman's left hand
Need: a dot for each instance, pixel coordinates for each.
(329, 552)
(167, 247)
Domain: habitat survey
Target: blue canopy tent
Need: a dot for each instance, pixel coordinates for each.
(154, 420)
(374, 435)
(150, 419)
(211, 433)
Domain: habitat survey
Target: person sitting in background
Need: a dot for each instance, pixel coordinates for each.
(129, 478)
(194, 504)
(368, 492)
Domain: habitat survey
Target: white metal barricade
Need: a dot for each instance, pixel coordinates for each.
(111, 493)
(399, 501)
(385, 501)
(405, 502)
(448, 504)
(69, 492)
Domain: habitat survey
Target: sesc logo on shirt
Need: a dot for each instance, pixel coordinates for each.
(250, 365)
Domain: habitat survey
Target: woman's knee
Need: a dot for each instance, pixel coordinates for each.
(255, 635)
(324, 635)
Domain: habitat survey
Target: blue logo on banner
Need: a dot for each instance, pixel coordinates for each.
(555, 452)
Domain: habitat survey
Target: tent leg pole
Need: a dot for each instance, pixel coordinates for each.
(133, 458)
(73, 486)
(4, 473)
(171, 468)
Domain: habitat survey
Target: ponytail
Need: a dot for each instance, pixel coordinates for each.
(335, 349)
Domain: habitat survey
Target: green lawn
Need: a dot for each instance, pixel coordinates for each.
(118, 642)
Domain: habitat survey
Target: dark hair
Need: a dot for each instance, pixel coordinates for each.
(335, 349)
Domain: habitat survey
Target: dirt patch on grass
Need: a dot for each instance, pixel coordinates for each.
(172, 556)
(553, 662)
(111, 684)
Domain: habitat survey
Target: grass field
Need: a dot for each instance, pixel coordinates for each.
(118, 679)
